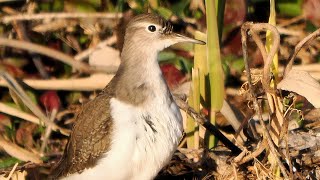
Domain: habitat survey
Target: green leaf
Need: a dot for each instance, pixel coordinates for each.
(214, 59)
(58, 6)
(164, 12)
(40, 130)
(179, 8)
(120, 4)
(154, 4)
(45, 6)
(310, 27)
(166, 55)
(215, 67)
(289, 7)
(238, 65)
(32, 96)
(83, 39)
(185, 64)
(74, 97)
(19, 102)
(10, 131)
(201, 63)
(80, 6)
(67, 71)
(183, 46)
(8, 162)
(96, 3)
(17, 62)
(198, 14)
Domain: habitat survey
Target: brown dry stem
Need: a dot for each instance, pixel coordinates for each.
(45, 51)
(18, 113)
(64, 15)
(254, 29)
(298, 47)
(22, 35)
(91, 83)
(252, 155)
(18, 152)
(199, 118)
(17, 89)
(266, 84)
(84, 54)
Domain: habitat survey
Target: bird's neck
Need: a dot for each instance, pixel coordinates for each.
(140, 61)
(139, 77)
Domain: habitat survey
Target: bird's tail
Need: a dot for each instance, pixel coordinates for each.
(58, 169)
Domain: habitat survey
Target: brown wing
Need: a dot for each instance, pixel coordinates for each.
(90, 137)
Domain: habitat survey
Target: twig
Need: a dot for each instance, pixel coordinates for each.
(46, 51)
(298, 47)
(29, 165)
(284, 137)
(18, 113)
(22, 35)
(254, 154)
(91, 83)
(55, 25)
(291, 21)
(288, 32)
(12, 171)
(84, 54)
(48, 131)
(205, 123)
(230, 115)
(256, 105)
(18, 152)
(267, 57)
(272, 98)
(40, 16)
(13, 85)
(2, 1)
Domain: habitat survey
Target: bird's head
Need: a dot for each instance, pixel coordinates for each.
(153, 32)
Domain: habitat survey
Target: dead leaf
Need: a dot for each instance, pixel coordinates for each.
(18, 101)
(105, 56)
(18, 152)
(310, 11)
(4, 121)
(303, 84)
(55, 25)
(24, 134)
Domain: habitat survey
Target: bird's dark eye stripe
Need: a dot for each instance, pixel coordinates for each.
(166, 27)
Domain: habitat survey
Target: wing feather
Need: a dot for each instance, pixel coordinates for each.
(89, 139)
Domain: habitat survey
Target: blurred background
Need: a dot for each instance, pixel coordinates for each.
(63, 52)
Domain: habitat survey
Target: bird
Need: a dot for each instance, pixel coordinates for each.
(131, 129)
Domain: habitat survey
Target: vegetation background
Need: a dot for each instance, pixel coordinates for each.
(261, 123)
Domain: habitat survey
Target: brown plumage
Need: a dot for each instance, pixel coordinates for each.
(90, 136)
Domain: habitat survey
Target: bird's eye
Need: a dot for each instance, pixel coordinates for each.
(152, 28)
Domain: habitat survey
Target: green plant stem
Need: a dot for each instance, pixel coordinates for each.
(215, 67)
(190, 124)
(220, 6)
(196, 103)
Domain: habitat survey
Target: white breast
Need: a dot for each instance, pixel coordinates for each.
(144, 140)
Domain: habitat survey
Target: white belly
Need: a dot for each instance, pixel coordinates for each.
(144, 140)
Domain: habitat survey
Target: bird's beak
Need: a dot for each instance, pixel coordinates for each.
(180, 38)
